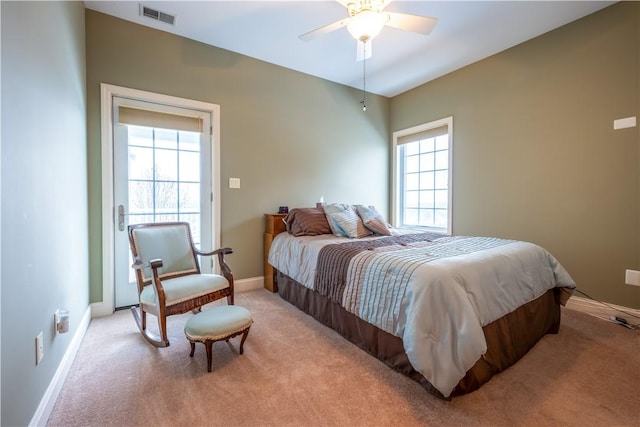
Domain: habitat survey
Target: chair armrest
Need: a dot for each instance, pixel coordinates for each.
(139, 265)
(155, 264)
(226, 271)
(224, 268)
(224, 251)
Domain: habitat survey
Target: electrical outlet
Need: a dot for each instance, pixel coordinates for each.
(39, 347)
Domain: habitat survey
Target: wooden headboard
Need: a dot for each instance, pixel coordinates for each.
(273, 225)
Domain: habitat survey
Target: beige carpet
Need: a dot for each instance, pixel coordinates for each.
(296, 372)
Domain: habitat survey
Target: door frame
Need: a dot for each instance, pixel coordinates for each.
(107, 93)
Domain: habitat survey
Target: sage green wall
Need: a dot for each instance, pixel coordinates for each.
(535, 154)
(44, 195)
(289, 137)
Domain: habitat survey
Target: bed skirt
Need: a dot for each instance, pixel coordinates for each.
(508, 338)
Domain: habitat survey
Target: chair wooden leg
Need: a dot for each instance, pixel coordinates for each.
(207, 345)
(193, 348)
(244, 337)
(162, 327)
(141, 322)
(143, 315)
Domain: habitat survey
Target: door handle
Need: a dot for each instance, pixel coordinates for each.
(121, 216)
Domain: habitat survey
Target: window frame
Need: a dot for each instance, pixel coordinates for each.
(396, 196)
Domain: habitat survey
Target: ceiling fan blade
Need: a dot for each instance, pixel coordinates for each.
(413, 23)
(324, 30)
(364, 50)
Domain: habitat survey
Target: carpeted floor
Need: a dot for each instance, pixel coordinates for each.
(296, 372)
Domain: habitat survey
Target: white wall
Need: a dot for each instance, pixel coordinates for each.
(44, 220)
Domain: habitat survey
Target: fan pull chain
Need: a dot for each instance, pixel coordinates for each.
(364, 75)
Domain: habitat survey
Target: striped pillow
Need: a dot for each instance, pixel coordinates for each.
(373, 220)
(344, 221)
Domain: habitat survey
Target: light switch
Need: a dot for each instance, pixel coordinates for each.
(628, 122)
(632, 277)
(234, 182)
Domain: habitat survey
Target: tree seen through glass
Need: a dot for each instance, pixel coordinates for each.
(164, 176)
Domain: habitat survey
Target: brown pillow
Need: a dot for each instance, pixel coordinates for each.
(307, 222)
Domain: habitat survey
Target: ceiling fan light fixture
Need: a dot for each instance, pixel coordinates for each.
(366, 25)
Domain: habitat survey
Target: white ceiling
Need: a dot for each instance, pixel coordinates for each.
(466, 32)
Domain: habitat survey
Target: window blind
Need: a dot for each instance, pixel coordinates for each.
(425, 134)
(156, 119)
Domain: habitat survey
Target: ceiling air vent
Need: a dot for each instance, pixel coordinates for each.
(157, 15)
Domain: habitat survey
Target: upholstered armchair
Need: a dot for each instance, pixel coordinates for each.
(168, 275)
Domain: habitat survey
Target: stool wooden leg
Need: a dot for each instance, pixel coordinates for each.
(193, 348)
(207, 345)
(244, 337)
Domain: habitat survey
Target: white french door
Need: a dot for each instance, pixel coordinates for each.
(162, 171)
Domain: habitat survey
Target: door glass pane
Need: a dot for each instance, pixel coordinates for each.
(166, 163)
(141, 136)
(166, 198)
(189, 197)
(189, 141)
(164, 176)
(189, 167)
(140, 197)
(166, 138)
(140, 163)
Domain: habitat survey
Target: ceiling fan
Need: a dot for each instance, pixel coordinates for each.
(366, 19)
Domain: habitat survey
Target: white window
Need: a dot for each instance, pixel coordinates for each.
(422, 176)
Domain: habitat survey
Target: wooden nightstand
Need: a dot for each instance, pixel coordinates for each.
(273, 225)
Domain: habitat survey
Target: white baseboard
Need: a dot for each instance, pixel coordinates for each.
(601, 310)
(100, 309)
(47, 402)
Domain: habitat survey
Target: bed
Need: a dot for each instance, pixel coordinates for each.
(447, 311)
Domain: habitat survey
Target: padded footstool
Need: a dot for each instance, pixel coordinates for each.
(217, 324)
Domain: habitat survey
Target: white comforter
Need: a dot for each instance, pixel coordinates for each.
(454, 287)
